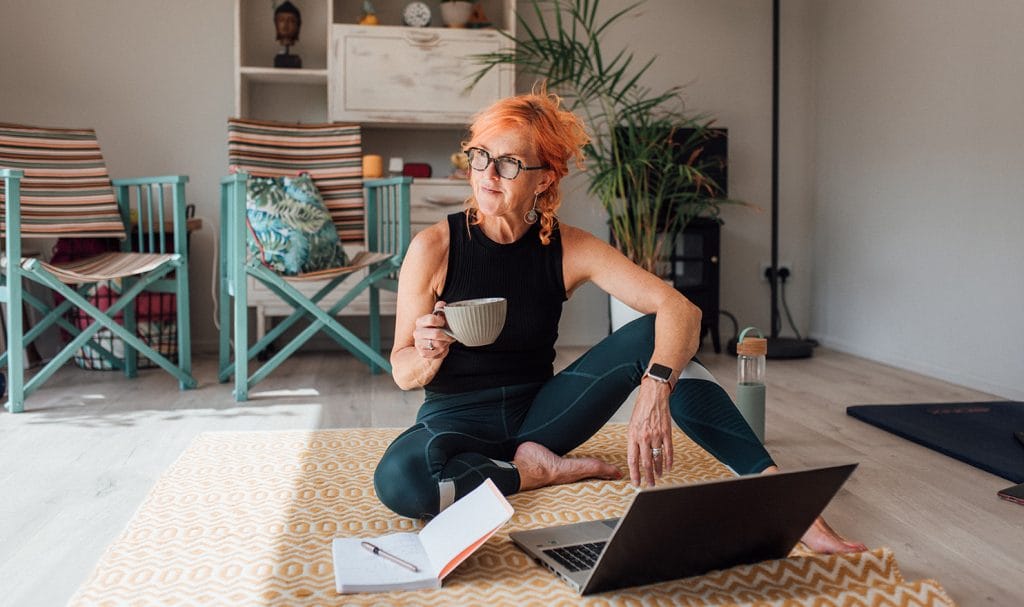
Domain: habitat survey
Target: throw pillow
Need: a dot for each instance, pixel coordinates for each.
(290, 229)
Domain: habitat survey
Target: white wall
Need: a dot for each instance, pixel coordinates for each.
(900, 181)
(153, 78)
(919, 260)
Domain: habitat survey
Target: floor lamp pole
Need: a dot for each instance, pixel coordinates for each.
(773, 278)
(779, 347)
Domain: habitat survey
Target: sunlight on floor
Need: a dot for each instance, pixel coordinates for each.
(284, 393)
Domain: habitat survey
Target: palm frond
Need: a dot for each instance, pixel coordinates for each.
(649, 183)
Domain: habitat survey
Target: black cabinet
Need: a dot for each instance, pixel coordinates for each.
(694, 265)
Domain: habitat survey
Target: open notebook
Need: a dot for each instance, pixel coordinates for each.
(435, 551)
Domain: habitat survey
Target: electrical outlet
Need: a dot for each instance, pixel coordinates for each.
(766, 267)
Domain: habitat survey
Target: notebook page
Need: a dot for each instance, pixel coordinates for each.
(455, 533)
(359, 570)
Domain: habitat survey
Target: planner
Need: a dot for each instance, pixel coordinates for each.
(386, 563)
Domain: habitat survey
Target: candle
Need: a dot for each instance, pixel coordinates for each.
(373, 166)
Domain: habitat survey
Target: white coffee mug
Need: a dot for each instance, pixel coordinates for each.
(476, 322)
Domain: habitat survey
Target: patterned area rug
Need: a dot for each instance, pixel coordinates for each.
(247, 518)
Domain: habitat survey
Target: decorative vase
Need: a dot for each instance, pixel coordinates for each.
(456, 14)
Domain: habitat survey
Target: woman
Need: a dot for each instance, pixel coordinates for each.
(496, 411)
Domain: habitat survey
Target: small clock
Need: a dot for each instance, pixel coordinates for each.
(416, 14)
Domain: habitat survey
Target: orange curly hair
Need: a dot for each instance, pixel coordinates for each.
(557, 134)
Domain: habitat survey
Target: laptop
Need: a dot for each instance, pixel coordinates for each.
(679, 531)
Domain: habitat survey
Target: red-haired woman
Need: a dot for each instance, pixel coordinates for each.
(498, 411)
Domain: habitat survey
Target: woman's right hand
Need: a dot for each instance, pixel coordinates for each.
(429, 337)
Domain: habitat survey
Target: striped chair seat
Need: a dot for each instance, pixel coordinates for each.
(361, 260)
(106, 266)
(330, 153)
(66, 190)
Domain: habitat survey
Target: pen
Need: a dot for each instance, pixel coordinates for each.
(394, 559)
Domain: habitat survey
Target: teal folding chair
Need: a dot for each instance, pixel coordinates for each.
(374, 213)
(55, 185)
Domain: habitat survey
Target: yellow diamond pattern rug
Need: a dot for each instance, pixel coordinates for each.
(247, 518)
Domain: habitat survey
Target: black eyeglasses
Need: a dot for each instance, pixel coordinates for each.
(506, 166)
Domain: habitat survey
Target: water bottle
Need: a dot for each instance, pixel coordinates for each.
(750, 359)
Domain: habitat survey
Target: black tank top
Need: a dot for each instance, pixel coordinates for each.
(529, 275)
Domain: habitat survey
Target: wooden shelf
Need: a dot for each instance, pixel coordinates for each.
(276, 75)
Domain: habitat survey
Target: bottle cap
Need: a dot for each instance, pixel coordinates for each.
(752, 346)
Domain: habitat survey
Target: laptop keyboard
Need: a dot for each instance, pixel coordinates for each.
(577, 557)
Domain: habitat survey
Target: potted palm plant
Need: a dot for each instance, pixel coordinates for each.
(649, 180)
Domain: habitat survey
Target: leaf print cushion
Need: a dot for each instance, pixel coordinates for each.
(290, 229)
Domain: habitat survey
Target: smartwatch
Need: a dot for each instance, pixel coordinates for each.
(660, 373)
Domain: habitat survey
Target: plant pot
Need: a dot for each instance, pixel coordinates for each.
(621, 314)
(456, 14)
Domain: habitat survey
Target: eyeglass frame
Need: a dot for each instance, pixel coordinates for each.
(520, 167)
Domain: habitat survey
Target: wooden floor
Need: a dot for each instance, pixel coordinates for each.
(78, 463)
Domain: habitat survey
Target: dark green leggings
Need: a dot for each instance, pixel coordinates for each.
(461, 439)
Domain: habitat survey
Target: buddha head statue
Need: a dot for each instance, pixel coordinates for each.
(287, 22)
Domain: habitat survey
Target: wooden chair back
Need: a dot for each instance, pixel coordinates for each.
(330, 153)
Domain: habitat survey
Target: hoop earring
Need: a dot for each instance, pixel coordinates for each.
(531, 215)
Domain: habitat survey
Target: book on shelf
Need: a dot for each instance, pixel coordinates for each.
(407, 561)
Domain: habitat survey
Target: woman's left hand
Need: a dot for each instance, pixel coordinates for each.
(650, 427)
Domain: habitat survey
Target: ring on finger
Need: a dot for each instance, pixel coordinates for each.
(656, 452)
(430, 344)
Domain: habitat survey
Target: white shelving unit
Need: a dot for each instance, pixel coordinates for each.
(280, 76)
(397, 77)
(427, 67)
(265, 92)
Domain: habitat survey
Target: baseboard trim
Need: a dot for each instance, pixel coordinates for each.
(959, 378)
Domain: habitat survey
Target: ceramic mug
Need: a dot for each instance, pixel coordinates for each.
(476, 322)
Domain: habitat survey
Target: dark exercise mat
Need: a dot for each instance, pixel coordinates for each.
(980, 434)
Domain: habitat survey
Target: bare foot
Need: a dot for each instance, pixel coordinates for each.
(540, 467)
(823, 539)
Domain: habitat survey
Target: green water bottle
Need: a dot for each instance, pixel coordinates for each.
(750, 352)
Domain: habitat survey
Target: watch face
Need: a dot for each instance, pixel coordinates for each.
(660, 372)
(416, 14)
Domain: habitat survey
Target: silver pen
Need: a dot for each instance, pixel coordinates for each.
(394, 559)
